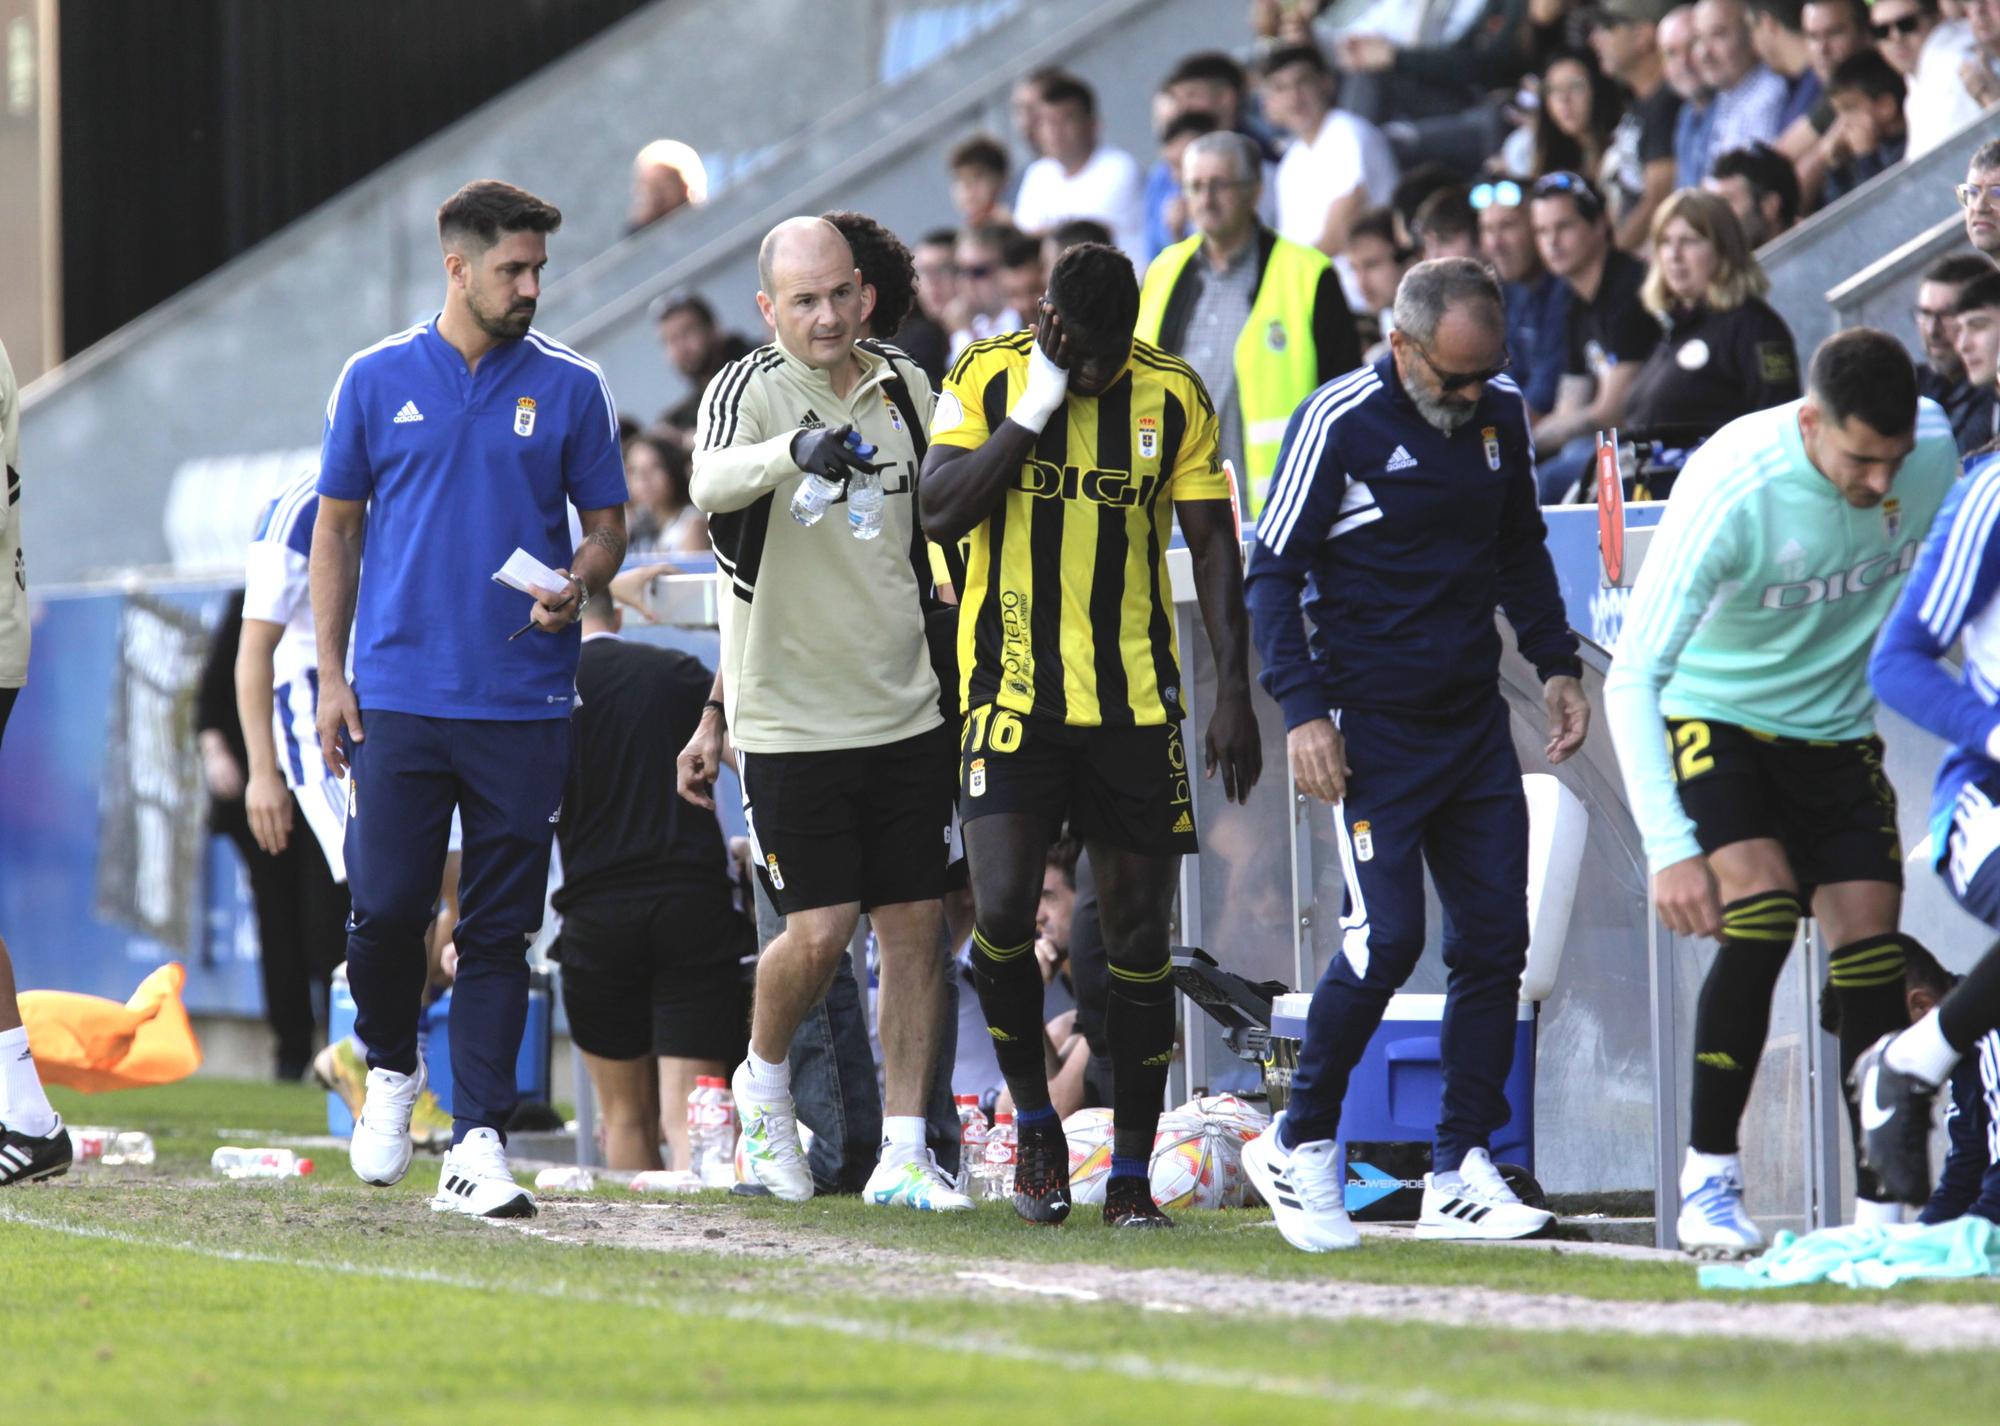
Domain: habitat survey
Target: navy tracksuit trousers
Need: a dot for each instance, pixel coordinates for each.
(1446, 792)
(506, 778)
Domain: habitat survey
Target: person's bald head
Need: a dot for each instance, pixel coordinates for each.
(811, 295)
(800, 243)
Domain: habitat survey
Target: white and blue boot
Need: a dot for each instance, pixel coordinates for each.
(1713, 1223)
(914, 1182)
(771, 1146)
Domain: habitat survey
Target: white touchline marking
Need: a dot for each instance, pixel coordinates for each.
(1130, 1365)
(1040, 1289)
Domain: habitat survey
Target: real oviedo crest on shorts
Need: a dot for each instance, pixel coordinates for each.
(1149, 438)
(524, 416)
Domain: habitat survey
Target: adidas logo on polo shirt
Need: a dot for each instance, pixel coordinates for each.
(408, 413)
(1401, 460)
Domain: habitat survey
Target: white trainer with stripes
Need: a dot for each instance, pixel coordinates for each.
(474, 1179)
(1476, 1203)
(1303, 1187)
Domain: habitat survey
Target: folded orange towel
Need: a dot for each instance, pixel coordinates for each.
(89, 1043)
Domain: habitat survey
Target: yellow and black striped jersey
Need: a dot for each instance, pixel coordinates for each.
(1067, 612)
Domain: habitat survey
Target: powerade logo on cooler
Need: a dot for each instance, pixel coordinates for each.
(1803, 593)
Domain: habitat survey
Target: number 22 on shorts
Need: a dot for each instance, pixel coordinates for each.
(1687, 746)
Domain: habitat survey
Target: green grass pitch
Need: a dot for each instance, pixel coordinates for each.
(166, 1296)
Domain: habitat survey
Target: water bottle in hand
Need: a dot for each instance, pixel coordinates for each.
(818, 491)
(814, 495)
(233, 1162)
(864, 505)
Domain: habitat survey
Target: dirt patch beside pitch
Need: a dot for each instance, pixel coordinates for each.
(833, 1262)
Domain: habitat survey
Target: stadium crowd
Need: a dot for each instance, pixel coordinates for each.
(1544, 220)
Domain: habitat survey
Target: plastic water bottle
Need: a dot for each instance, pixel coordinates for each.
(816, 494)
(971, 1142)
(864, 505)
(1001, 1151)
(233, 1162)
(813, 498)
(93, 1144)
(568, 1178)
(711, 1132)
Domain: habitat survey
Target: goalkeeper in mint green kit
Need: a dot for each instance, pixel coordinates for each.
(1746, 643)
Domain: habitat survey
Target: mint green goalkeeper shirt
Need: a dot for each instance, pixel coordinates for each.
(1759, 600)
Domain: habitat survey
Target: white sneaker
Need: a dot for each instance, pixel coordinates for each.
(380, 1149)
(771, 1144)
(1304, 1190)
(915, 1183)
(474, 1179)
(1713, 1223)
(1476, 1203)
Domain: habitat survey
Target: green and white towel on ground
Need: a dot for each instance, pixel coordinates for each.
(1859, 1256)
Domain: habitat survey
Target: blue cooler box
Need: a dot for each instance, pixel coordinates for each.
(531, 1070)
(1392, 1096)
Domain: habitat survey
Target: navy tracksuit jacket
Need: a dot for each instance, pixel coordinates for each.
(1399, 542)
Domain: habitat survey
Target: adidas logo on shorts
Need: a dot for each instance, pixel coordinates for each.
(1185, 822)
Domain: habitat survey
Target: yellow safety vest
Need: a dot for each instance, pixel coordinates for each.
(1277, 361)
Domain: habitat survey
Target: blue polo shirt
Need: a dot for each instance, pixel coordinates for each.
(458, 468)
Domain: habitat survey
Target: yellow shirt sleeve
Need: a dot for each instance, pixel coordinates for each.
(959, 417)
(1197, 472)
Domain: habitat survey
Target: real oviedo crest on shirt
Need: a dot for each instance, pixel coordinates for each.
(1892, 516)
(1489, 436)
(1149, 438)
(524, 416)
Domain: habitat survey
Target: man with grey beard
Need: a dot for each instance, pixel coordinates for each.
(1405, 501)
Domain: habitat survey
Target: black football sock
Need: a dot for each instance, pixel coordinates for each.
(1010, 995)
(1734, 1014)
(1139, 1023)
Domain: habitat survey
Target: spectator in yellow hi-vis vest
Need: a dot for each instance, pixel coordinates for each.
(1261, 318)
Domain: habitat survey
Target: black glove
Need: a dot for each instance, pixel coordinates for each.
(834, 453)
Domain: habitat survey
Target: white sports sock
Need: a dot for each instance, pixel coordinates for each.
(1923, 1051)
(23, 1106)
(1699, 1168)
(1870, 1214)
(902, 1137)
(771, 1078)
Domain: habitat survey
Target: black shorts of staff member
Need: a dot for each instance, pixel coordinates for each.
(865, 825)
(657, 975)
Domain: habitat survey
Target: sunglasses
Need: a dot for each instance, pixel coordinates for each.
(1573, 186)
(1908, 25)
(1504, 194)
(1459, 380)
(1970, 194)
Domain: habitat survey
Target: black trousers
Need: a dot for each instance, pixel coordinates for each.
(301, 928)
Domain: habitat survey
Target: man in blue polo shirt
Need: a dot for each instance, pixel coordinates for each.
(1405, 499)
(450, 445)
